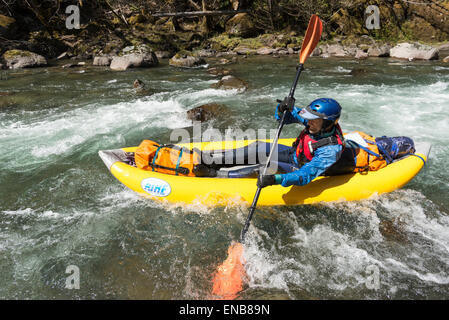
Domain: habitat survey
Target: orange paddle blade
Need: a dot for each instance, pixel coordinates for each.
(228, 279)
(313, 35)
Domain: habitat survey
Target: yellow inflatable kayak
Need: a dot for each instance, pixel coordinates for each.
(220, 191)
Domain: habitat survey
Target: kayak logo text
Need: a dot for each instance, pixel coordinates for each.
(156, 187)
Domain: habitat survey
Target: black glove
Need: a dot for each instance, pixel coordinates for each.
(266, 180)
(287, 104)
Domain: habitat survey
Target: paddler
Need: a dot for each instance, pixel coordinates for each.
(317, 150)
(318, 147)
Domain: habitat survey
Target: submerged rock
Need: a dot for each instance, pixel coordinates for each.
(16, 59)
(135, 60)
(139, 87)
(138, 84)
(413, 51)
(207, 112)
(446, 59)
(358, 72)
(219, 71)
(230, 83)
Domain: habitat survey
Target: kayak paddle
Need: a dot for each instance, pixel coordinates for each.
(228, 279)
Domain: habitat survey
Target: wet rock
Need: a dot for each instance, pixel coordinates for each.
(241, 25)
(356, 72)
(206, 53)
(229, 83)
(414, 51)
(138, 84)
(241, 50)
(139, 87)
(163, 54)
(69, 65)
(379, 51)
(316, 52)
(207, 112)
(282, 52)
(225, 54)
(224, 61)
(392, 231)
(360, 54)
(186, 61)
(103, 61)
(446, 59)
(16, 59)
(219, 71)
(265, 51)
(135, 60)
(334, 50)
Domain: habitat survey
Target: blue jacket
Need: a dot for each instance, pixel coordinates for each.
(323, 158)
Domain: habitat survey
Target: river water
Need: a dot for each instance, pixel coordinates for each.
(59, 205)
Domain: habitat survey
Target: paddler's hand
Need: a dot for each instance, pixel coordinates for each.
(266, 180)
(287, 104)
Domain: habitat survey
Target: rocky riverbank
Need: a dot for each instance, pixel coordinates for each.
(144, 40)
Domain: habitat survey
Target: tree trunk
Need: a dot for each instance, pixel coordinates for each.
(205, 22)
(198, 13)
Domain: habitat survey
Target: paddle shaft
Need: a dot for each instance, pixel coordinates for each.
(273, 147)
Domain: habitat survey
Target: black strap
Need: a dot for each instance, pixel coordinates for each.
(182, 170)
(332, 140)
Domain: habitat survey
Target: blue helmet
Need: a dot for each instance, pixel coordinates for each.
(324, 108)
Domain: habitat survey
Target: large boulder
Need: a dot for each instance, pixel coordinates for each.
(231, 83)
(103, 61)
(206, 112)
(335, 50)
(134, 60)
(16, 59)
(186, 61)
(8, 26)
(413, 51)
(382, 50)
(265, 51)
(241, 25)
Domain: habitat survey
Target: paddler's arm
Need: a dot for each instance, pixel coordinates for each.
(291, 117)
(324, 158)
